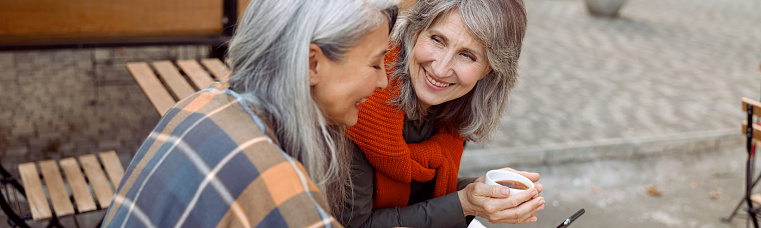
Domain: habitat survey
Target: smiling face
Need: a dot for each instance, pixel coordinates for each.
(339, 87)
(447, 61)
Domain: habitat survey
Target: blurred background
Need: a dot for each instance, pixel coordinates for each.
(633, 115)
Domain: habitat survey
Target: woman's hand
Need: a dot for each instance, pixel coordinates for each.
(492, 202)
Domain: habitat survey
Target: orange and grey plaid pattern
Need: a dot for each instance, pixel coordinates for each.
(209, 163)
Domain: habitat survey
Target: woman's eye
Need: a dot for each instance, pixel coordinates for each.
(377, 67)
(435, 39)
(466, 55)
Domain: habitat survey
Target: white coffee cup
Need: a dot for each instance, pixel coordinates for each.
(493, 176)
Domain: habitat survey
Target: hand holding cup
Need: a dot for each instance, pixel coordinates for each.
(499, 204)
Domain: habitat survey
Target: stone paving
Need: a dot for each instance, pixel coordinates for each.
(666, 77)
(662, 70)
(60, 103)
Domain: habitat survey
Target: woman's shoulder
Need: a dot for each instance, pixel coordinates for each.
(219, 121)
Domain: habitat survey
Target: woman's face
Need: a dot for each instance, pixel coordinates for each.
(446, 61)
(340, 87)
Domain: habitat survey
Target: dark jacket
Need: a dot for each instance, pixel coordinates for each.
(421, 211)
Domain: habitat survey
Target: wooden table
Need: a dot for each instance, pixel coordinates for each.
(175, 81)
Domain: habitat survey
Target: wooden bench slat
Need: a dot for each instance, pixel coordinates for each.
(173, 79)
(216, 67)
(35, 195)
(78, 185)
(152, 87)
(196, 73)
(98, 180)
(59, 196)
(113, 166)
(756, 130)
(756, 106)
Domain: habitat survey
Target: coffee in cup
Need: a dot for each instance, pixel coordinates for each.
(516, 182)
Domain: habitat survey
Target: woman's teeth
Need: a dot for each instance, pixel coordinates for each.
(360, 101)
(434, 82)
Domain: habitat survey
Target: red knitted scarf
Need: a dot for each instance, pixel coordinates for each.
(378, 133)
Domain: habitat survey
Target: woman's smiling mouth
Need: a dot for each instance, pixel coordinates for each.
(435, 82)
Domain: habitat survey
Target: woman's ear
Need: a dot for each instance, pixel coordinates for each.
(314, 53)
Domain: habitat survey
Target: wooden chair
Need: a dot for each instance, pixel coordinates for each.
(56, 188)
(752, 131)
(175, 82)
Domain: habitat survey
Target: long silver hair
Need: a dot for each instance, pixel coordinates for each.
(497, 24)
(269, 57)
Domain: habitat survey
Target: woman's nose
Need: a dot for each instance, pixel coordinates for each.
(381, 79)
(442, 66)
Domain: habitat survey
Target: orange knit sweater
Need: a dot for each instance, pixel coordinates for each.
(378, 133)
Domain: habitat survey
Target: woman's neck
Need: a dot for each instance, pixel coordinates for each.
(423, 106)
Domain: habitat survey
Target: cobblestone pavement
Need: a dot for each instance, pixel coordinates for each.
(662, 68)
(665, 78)
(664, 72)
(61, 103)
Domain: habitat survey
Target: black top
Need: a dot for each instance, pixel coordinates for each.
(421, 211)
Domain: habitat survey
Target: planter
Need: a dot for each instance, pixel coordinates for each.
(604, 8)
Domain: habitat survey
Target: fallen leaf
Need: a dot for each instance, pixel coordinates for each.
(651, 190)
(694, 184)
(595, 190)
(714, 194)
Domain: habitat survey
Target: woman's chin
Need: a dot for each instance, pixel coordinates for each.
(427, 100)
(347, 121)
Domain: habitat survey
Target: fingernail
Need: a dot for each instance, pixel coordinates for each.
(504, 191)
(541, 201)
(533, 192)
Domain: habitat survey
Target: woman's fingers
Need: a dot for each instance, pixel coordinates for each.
(515, 209)
(531, 176)
(502, 203)
(539, 187)
(490, 191)
(534, 177)
(524, 213)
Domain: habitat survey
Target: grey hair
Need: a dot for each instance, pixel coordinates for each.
(269, 57)
(500, 26)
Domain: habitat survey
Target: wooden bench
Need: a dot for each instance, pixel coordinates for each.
(175, 82)
(56, 188)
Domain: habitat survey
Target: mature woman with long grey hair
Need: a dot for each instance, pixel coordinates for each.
(452, 66)
(266, 147)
